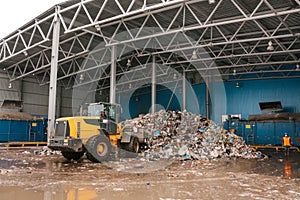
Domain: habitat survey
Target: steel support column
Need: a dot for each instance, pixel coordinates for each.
(183, 91)
(53, 75)
(153, 93)
(113, 69)
(207, 99)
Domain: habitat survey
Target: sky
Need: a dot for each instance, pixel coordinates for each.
(16, 13)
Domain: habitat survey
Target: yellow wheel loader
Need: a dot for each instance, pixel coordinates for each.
(98, 135)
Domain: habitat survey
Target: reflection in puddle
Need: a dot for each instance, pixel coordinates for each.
(131, 191)
(58, 179)
(73, 194)
(81, 194)
(6, 164)
(287, 169)
(277, 165)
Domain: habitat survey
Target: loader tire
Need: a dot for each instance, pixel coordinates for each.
(72, 155)
(98, 148)
(134, 145)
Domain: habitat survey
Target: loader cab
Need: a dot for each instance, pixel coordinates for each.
(109, 116)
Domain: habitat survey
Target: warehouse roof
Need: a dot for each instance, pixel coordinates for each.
(240, 39)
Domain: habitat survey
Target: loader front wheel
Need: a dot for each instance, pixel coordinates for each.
(134, 145)
(72, 155)
(98, 148)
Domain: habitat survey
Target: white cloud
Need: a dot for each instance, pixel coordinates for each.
(16, 13)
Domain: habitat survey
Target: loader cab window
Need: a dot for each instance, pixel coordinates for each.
(109, 112)
(103, 115)
(62, 128)
(105, 111)
(109, 118)
(112, 113)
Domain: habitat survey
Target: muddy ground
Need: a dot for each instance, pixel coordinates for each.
(25, 176)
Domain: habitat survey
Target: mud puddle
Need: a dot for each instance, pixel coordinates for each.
(279, 165)
(52, 177)
(9, 164)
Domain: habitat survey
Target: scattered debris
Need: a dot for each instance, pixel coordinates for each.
(42, 152)
(4, 171)
(26, 152)
(47, 152)
(186, 136)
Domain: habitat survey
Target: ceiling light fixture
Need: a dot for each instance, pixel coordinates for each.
(234, 72)
(100, 92)
(297, 67)
(81, 78)
(211, 1)
(25, 53)
(237, 85)
(130, 86)
(129, 63)
(97, 27)
(270, 46)
(175, 76)
(194, 55)
(9, 86)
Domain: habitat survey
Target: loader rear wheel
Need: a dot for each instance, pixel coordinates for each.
(72, 155)
(134, 145)
(98, 148)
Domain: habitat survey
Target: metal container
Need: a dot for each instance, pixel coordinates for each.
(23, 130)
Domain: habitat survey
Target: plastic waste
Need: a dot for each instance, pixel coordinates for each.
(184, 135)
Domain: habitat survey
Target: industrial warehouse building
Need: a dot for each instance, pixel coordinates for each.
(217, 58)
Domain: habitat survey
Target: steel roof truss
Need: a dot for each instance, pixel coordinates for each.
(35, 32)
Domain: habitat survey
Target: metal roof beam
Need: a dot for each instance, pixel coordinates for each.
(213, 24)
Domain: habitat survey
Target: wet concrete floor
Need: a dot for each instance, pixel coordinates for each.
(25, 176)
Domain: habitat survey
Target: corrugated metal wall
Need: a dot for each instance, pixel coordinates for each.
(243, 100)
(140, 101)
(6, 93)
(35, 97)
(66, 103)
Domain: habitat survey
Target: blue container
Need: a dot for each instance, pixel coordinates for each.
(4, 130)
(38, 131)
(14, 130)
(296, 137)
(249, 130)
(265, 133)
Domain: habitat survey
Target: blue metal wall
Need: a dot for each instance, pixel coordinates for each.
(201, 96)
(140, 101)
(243, 100)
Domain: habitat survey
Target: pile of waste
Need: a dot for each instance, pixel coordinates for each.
(184, 135)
